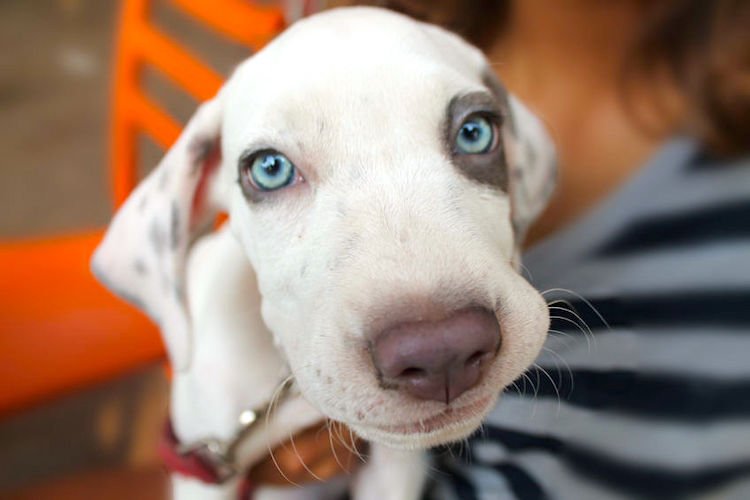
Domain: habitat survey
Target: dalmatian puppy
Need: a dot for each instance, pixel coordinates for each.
(378, 181)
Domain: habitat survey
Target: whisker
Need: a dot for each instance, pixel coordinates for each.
(354, 446)
(333, 447)
(582, 299)
(301, 460)
(572, 310)
(587, 333)
(338, 427)
(575, 314)
(526, 270)
(554, 386)
(567, 368)
(271, 408)
(536, 392)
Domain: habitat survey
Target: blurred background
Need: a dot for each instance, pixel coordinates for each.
(85, 390)
(58, 58)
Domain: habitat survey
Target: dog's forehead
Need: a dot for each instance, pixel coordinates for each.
(370, 35)
(350, 73)
(362, 48)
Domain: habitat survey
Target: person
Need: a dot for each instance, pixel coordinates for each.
(643, 388)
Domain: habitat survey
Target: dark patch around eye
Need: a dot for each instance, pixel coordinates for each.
(501, 96)
(486, 168)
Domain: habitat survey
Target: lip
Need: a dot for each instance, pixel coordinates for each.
(448, 417)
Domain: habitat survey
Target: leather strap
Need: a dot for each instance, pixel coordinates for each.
(196, 463)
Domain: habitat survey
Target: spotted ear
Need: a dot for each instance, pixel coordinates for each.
(532, 166)
(142, 257)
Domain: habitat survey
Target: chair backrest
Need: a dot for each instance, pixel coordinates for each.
(59, 329)
(141, 43)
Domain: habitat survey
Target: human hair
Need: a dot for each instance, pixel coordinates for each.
(701, 46)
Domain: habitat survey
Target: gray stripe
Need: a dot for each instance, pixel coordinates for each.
(489, 484)
(602, 223)
(690, 192)
(557, 479)
(718, 354)
(663, 186)
(676, 445)
(707, 267)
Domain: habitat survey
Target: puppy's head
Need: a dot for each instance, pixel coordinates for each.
(380, 180)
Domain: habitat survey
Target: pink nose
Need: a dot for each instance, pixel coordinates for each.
(437, 360)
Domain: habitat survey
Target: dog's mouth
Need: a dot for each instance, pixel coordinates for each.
(448, 425)
(448, 417)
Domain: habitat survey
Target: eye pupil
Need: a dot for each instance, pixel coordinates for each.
(471, 132)
(476, 136)
(270, 165)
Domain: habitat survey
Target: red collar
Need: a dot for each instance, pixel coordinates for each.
(200, 462)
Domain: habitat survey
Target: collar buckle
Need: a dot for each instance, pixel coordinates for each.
(216, 453)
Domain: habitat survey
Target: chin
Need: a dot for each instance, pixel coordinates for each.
(447, 426)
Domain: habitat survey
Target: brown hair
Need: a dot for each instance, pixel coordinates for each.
(702, 46)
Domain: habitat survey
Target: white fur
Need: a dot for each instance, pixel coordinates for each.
(356, 99)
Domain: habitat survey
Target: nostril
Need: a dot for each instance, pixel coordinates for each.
(412, 372)
(475, 358)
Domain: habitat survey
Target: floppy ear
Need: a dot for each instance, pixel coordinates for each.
(143, 255)
(532, 166)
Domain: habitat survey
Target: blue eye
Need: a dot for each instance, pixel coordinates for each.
(271, 171)
(476, 136)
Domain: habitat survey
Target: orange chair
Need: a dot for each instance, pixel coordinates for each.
(59, 329)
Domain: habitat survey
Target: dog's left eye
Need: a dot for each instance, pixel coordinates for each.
(476, 136)
(271, 170)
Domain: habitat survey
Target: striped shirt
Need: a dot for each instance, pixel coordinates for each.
(654, 402)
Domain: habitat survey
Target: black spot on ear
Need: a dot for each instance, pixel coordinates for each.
(531, 155)
(156, 237)
(179, 292)
(200, 151)
(174, 226)
(140, 268)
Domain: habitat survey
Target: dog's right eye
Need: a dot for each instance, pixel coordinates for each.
(476, 136)
(268, 170)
